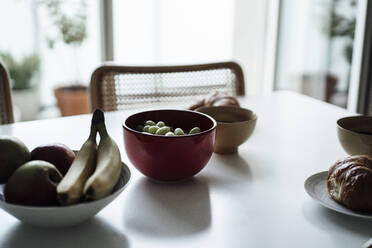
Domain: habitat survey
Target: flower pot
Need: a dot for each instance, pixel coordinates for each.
(72, 100)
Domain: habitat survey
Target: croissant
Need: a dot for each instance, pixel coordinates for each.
(349, 182)
(216, 99)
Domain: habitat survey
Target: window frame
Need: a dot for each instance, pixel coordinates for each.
(361, 100)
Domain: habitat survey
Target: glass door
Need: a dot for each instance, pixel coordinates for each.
(315, 48)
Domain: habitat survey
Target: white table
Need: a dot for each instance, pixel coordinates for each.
(253, 199)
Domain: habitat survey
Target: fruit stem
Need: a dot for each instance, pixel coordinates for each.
(97, 118)
(98, 121)
(93, 133)
(102, 130)
(89, 193)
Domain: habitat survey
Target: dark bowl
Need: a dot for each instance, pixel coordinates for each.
(170, 158)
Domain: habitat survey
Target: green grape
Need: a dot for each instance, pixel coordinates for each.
(153, 129)
(150, 123)
(179, 131)
(162, 131)
(194, 130)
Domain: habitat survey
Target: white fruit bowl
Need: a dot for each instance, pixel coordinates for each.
(62, 216)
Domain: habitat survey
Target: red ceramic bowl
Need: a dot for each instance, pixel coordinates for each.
(170, 158)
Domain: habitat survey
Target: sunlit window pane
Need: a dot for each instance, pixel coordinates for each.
(315, 48)
(173, 32)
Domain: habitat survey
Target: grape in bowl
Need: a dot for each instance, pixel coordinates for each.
(174, 157)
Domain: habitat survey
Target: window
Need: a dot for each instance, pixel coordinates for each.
(33, 27)
(315, 48)
(172, 32)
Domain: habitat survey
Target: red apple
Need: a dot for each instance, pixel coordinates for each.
(55, 153)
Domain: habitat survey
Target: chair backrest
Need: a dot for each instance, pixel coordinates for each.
(6, 108)
(115, 87)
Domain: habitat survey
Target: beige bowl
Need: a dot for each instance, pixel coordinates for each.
(355, 134)
(234, 126)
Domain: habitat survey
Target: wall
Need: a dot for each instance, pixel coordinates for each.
(250, 33)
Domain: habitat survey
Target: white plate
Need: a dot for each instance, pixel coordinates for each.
(62, 216)
(316, 187)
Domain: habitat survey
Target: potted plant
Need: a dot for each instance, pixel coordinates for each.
(344, 26)
(25, 87)
(73, 98)
(341, 25)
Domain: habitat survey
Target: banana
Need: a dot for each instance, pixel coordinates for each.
(70, 189)
(108, 168)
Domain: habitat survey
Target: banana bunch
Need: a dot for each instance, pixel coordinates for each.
(95, 170)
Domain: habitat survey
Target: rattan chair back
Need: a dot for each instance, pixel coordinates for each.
(115, 87)
(6, 108)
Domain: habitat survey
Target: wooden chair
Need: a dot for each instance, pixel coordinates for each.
(6, 109)
(115, 87)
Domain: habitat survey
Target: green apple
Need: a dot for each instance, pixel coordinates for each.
(34, 184)
(13, 153)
